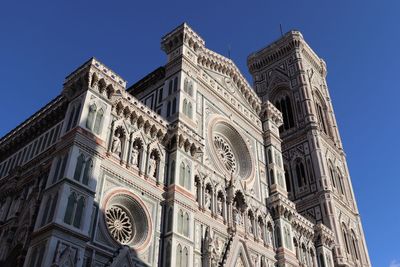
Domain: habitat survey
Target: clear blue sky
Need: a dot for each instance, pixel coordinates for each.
(41, 42)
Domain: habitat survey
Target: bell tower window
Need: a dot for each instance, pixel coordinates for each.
(284, 105)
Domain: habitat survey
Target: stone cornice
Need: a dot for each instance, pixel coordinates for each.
(275, 51)
(282, 47)
(33, 126)
(269, 111)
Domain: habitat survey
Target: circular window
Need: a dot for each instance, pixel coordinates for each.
(127, 219)
(119, 224)
(228, 149)
(225, 153)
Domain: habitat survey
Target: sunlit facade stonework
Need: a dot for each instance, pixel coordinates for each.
(190, 166)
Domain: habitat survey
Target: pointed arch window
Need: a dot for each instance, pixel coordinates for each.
(75, 207)
(170, 84)
(182, 174)
(70, 119)
(301, 174)
(179, 253)
(287, 179)
(180, 221)
(98, 123)
(340, 182)
(83, 169)
(283, 103)
(172, 178)
(185, 257)
(185, 85)
(169, 109)
(175, 83)
(185, 106)
(190, 89)
(190, 110)
(186, 224)
(174, 106)
(188, 177)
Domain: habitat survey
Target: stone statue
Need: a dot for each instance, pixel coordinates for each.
(237, 217)
(152, 165)
(259, 229)
(219, 206)
(207, 200)
(135, 156)
(116, 144)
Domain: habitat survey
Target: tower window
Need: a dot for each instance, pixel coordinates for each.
(285, 106)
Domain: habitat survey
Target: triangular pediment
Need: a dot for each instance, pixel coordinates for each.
(239, 256)
(228, 87)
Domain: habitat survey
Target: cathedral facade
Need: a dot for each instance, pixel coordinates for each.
(190, 166)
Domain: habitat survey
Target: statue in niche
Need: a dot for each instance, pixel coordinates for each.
(152, 165)
(135, 156)
(259, 229)
(251, 226)
(207, 200)
(219, 206)
(116, 144)
(237, 217)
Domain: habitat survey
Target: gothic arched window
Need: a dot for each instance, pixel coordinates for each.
(346, 241)
(190, 110)
(332, 175)
(98, 123)
(170, 87)
(301, 174)
(179, 256)
(176, 83)
(173, 106)
(284, 105)
(185, 107)
(180, 221)
(188, 176)
(190, 89)
(185, 85)
(182, 174)
(341, 182)
(79, 167)
(186, 224)
(287, 179)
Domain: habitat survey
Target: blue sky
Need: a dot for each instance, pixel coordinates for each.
(41, 42)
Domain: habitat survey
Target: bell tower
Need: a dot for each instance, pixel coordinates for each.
(290, 75)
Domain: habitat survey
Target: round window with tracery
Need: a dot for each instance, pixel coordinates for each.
(228, 149)
(127, 220)
(119, 224)
(225, 153)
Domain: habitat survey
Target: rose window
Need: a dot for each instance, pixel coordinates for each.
(119, 224)
(229, 150)
(225, 153)
(127, 220)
